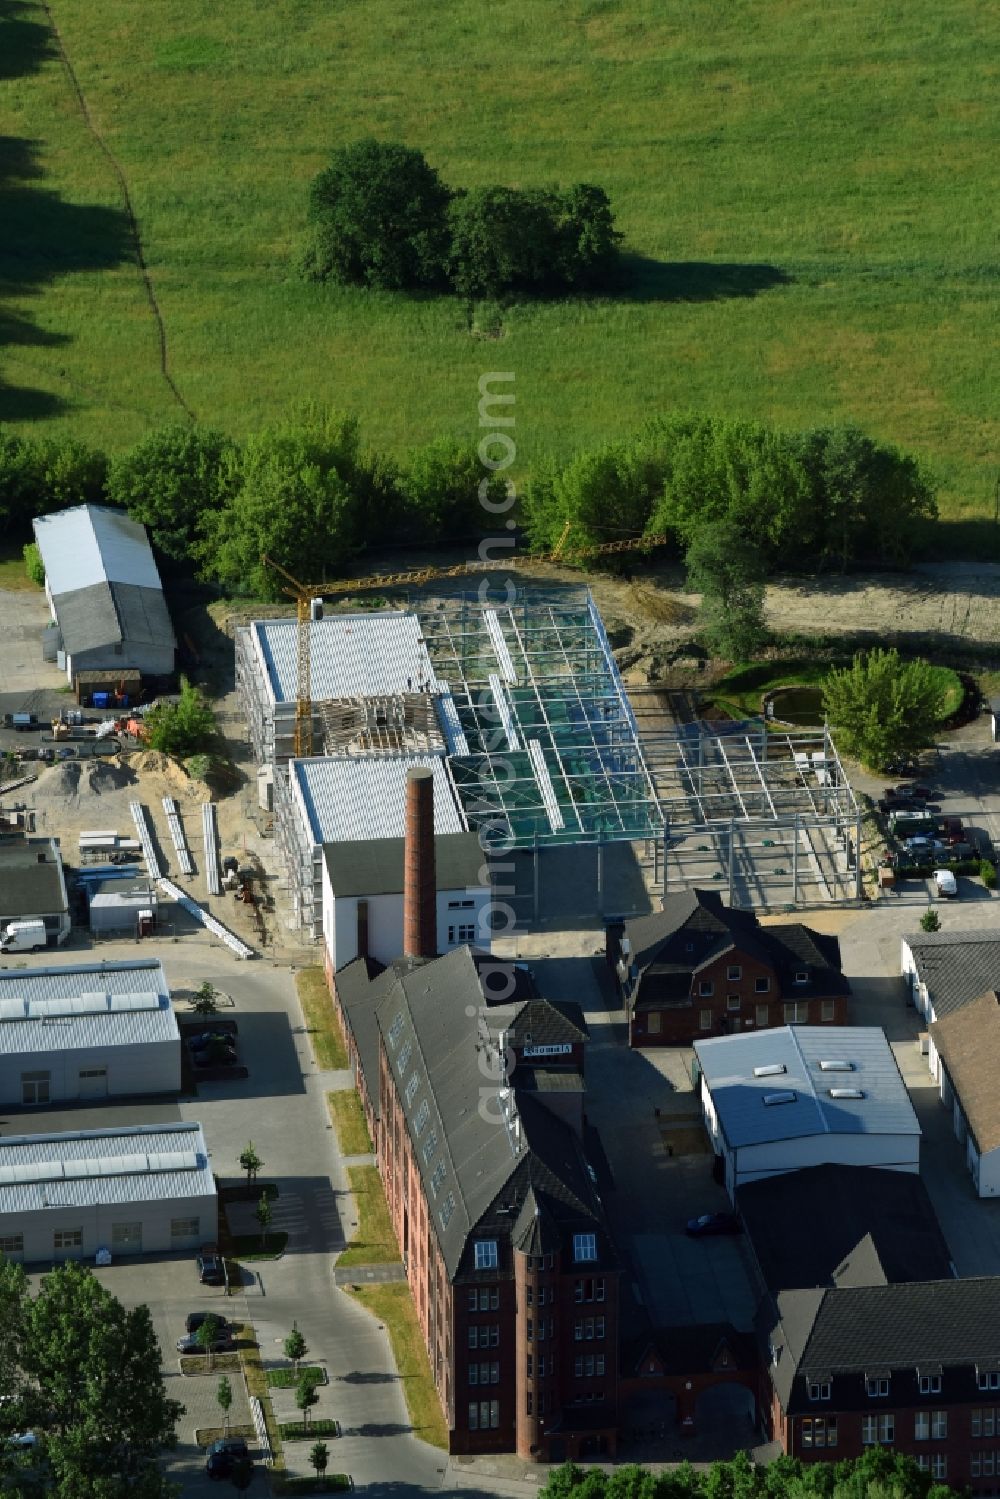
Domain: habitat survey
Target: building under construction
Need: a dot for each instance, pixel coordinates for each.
(521, 711)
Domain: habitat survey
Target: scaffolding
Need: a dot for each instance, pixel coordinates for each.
(545, 747)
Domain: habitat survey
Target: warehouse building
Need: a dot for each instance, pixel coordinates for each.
(33, 887)
(946, 970)
(965, 1058)
(117, 906)
(148, 1190)
(104, 593)
(90, 1031)
(776, 1101)
(340, 800)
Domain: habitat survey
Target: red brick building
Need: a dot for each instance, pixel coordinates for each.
(697, 968)
(481, 1141)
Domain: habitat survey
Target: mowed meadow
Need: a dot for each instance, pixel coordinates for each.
(807, 192)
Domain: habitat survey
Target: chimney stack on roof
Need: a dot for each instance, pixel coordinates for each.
(419, 872)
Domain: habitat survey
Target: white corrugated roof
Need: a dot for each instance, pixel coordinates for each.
(94, 544)
(114, 999)
(350, 799)
(151, 1163)
(729, 1062)
(350, 655)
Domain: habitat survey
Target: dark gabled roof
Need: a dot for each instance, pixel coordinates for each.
(504, 981)
(540, 1022)
(968, 1042)
(361, 985)
(478, 1146)
(698, 919)
(30, 887)
(112, 614)
(850, 1329)
(374, 866)
(956, 967)
(807, 1227)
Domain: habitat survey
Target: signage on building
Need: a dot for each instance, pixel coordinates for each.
(556, 1049)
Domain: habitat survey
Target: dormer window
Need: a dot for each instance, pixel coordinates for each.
(486, 1254)
(689, 947)
(819, 1389)
(877, 1387)
(584, 1247)
(930, 1384)
(802, 977)
(988, 1379)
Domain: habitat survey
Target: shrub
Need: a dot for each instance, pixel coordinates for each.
(930, 921)
(33, 565)
(988, 874)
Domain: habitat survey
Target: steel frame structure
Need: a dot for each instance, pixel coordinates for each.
(553, 752)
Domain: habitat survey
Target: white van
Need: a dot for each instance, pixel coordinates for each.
(23, 936)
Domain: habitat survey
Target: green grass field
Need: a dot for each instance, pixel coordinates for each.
(808, 191)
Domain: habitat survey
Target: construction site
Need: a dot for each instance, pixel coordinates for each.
(521, 713)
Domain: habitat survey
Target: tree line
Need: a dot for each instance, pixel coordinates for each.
(381, 216)
(305, 491)
(879, 1474)
(738, 499)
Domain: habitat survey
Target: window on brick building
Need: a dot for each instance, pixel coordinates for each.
(486, 1254)
(732, 1001)
(939, 1425)
(705, 1020)
(939, 1466)
(819, 1431)
(588, 1290)
(981, 1464)
(827, 1010)
(763, 1014)
(930, 1384)
(529, 1295)
(531, 1366)
(878, 1429)
(820, 1390)
(983, 1421)
(584, 1247)
(706, 988)
(734, 973)
(529, 1404)
(797, 1013)
(988, 1379)
(877, 1387)
(761, 986)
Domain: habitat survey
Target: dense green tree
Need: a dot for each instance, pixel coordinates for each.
(728, 573)
(503, 240)
(884, 707)
(306, 1396)
(377, 217)
(296, 1347)
(39, 477)
(205, 1338)
(442, 492)
(170, 480)
(182, 728)
(878, 1474)
(319, 1457)
(874, 501)
(250, 1161)
(586, 237)
(94, 1389)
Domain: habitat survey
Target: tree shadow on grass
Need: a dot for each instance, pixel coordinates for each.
(646, 280)
(25, 40)
(44, 237)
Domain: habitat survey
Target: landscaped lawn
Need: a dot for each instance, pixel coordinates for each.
(287, 1379)
(321, 1020)
(348, 1119)
(740, 691)
(801, 187)
(392, 1304)
(374, 1243)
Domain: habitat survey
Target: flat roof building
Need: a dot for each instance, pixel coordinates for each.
(104, 593)
(778, 1100)
(33, 887)
(86, 1031)
(146, 1190)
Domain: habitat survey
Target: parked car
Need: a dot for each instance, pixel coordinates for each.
(222, 1341)
(195, 1319)
(923, 845)
(65, 752)
(202, 1040)
(223, 1456)
(945, 883)
(713, 1223)
(211, 1271)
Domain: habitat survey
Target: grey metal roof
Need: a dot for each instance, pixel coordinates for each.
(28, 886)
(94, 544)
(110, 614)
(151, 1163)
(351, 799)
(375, 866)
(349, 654)
(728, 1064)
(83, 1006)
(807, 1227)
(956, 967)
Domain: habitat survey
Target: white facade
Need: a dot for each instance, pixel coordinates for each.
(798, 1096)
(86, 1032)
(148, 1190)
(460, 920)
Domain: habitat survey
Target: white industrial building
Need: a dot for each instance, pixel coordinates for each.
(90, 1031)
(778, 1100)
(352, 657)
(363, 898)
(148, 1190)
(104, 593)
(116, 906)
(964, 1058)
(33, 887)
(345, 800)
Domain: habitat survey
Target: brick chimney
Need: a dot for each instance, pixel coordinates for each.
(419, 873)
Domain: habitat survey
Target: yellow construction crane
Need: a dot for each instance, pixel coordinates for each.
(305, 593)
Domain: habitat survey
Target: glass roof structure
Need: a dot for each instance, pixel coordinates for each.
(543, 744)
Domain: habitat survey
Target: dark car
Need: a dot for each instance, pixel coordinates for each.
(202, 1040)
(65, 752)
(195, 1319)
(222, 1341)
(211, 1271)
(223, 1456)
(713, 1223)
